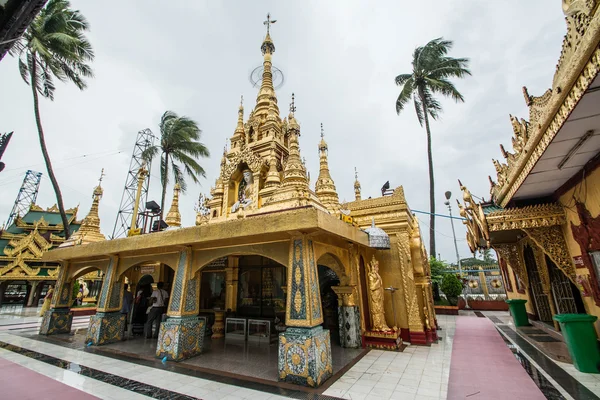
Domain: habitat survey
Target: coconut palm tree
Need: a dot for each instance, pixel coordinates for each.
(179, 149)
(432, 69)
(54, 47)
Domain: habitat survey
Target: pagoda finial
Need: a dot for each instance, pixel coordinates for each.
(357, 188)
(268, 22)
(89, 231)
(174, 217)
(293, 105)
(325, 187)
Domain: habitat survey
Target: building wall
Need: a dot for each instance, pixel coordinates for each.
(587, 192)
(515, 294)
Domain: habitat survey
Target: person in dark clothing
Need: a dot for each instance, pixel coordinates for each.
(127, 304)
(140, 306)
(159, 300)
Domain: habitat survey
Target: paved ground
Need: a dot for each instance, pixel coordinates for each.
(471, 361)
(479, 354)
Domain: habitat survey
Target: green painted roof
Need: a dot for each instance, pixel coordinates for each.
(50, 217)
(490, 208)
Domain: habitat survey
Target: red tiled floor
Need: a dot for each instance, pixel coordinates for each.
(18, 382)
(483, 367)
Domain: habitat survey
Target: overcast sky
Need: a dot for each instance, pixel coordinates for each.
(340, 58)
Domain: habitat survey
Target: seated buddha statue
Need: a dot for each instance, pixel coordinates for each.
(245, 192)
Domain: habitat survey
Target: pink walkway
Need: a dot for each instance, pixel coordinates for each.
(18, 382)
(483, 367)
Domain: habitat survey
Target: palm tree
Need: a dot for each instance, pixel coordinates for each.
(432, 69)
(178, 145)
(54, 46)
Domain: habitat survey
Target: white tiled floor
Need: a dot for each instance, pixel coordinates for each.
(205, 389)
(418, 372)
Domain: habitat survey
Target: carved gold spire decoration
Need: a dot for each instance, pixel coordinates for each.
(357, 196)
(294, 172)
(266, 101)
(273, 177)
(325, 188)
(89, 231)
(174, 217)
(239, 135)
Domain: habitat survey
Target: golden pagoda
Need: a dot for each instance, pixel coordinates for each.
(261, 248)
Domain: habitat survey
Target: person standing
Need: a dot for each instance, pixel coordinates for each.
(47, 301)
(159, 305)
(127, 304)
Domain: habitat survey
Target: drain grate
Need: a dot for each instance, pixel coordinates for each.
(479, 314)
(496, 320)
(532, 331)
(544, 338)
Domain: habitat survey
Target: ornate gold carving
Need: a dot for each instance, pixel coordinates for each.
(552, 241)
(376, 298)
(536, 216)
(577, 67)
(475, 220)
(512, 253)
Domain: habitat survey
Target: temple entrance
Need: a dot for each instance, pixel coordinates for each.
(541, 303)
(566, 295)
(329, 301)
(261, 288)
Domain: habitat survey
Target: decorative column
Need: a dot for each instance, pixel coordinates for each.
(231, 281)
(59, 318)
(32, 292)
(305, 347)
(182, 334)
(108, 324)
(349, 316)
(484, 286)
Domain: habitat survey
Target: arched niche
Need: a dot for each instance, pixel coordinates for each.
(332, 257)
(77, 270)
(169, 259)
(276, 251)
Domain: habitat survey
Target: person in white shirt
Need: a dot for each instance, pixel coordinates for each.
(159, 300)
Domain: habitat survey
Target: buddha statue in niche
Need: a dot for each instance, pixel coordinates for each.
(245, 192)
(375, 284)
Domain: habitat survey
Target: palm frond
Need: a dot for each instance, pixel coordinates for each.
(445, 88)
(178, 176)
(418, 109)
(405, 94)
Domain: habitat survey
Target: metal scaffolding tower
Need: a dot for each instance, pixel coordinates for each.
(27, 195)
(144, 140)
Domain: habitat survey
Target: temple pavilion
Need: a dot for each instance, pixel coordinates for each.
(543, 217)
(270, 256)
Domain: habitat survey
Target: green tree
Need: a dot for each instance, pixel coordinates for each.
(54, 47)
(438, 269)
(452, 288)
(179, 149)
(432, 69)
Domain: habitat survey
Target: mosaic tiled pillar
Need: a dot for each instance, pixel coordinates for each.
(348, 316)
(180, 338)
(108, 324)
(305, 347)
(59, 318)
(181, 335)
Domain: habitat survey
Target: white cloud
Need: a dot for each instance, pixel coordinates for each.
(340, 58)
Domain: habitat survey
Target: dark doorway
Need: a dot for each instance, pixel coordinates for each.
(566, 295)
(541, 303)
(329, 301)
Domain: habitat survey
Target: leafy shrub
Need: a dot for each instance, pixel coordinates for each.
(452, 287)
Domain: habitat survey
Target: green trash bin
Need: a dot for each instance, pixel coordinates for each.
(580, 336)
(518, 312)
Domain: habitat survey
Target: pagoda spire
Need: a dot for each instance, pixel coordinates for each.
(89, 231)
(357, 196)
(266, 100)
(239, 129)
(174, 217)
(294, 172)
(325, 187)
